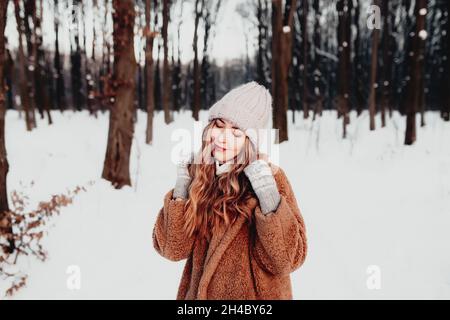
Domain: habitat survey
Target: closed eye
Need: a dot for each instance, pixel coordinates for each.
(237, 132)
(219, 123)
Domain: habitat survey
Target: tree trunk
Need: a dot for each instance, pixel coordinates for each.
(373, 75)
(167, 86)
(360, 86)
(121, 129)
(344, 8)
(23, 76)
(42, 99)
(59, 94)
(416, 73)
(385, 81)
(305, 59)
(281, 61)
(197, 100)
(75, 61)
(149, 70)
(260, 55)
(446, 104)
(318, 92)
(5, 222)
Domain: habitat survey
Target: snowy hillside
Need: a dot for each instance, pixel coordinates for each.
(368, 200)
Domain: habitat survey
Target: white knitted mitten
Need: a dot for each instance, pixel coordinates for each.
(183, 179)
(263, 182)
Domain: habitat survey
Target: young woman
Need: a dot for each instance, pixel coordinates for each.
(232, 213)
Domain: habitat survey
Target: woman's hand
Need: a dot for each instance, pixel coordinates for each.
(263, 182)
(183, 181)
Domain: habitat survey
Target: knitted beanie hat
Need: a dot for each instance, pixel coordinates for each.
(247, 106)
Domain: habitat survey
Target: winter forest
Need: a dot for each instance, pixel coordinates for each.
(92, 92)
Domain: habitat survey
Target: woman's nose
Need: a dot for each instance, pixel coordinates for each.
(222, 136)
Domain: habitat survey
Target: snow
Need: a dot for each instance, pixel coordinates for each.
(423, 34)
(372, 206)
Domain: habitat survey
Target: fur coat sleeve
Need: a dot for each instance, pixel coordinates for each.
(280, 243)
(169, 239)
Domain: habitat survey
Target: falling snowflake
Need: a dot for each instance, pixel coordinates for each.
(423, 34)
(423, 11)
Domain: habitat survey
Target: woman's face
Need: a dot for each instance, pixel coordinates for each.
(227, 140)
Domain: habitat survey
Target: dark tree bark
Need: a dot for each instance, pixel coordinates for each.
(60, 94)
(207, 79)
(385, 79)
(75, 61)
(199, 5)
(344, 8)
(88, 78)
(358, 65)
(281, 62)
(260, 76)
(373, 74)
(446, 100)
(317, 81)
(116, 166)
(29, 12)
(42, 98)
(305, 100)
(30, 119)
(167, 85)
(105, 74)
(5, 223)
(416, 73)
(150, 35)
(157, 87)
(177, 73)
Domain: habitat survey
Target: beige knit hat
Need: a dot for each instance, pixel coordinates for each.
(247, 106)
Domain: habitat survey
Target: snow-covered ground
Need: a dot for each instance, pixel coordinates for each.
(367, 201)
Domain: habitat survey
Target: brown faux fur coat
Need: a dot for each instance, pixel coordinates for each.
(248, 261)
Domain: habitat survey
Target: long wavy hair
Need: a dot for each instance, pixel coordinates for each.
(215, 202)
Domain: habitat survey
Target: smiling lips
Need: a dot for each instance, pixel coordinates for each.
(219, 148)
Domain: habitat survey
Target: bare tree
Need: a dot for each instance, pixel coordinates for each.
(262, 58)
(385, 77)
(199, 5)
(373, 74)
(75, 59)
(30, 119)
(416, 89)
(318, 92)
(282, 26)
(359, 67)
(5, 224)
(207, 78)
(88, 78)
(150, 34)
(106, 93)
(305, 59)
(177, 72)
(59, 96)
(41, 98)
(446, 93)
(167, 83)
(344, 8)
(121, 127)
